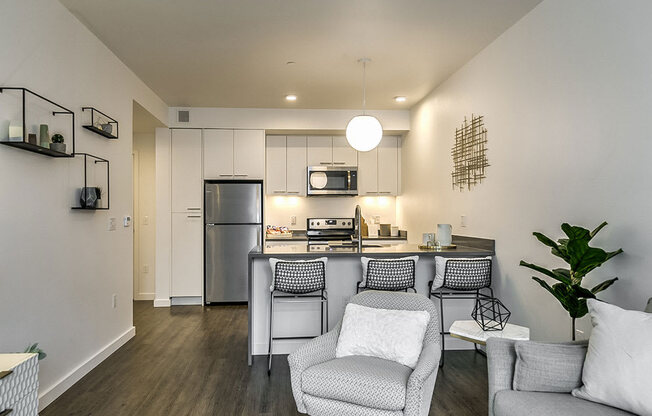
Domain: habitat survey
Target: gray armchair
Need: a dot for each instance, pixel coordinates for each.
(366, 386)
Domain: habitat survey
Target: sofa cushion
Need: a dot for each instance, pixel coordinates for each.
(519, 403)
(618, 362)
(365, 381)
(553, 368)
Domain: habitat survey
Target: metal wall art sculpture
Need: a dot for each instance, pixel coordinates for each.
(469, 153)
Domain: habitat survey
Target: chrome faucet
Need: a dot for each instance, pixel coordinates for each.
(358, 225)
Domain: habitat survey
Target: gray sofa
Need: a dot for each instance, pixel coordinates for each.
(505, 401)
(366, 386)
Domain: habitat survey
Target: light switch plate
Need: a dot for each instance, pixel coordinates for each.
(126, 221)
(111, 224)
(463, 220)
(293, 220)
(146, 220)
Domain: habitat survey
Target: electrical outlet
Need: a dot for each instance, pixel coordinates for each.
(146, 220)
(111, 225)
(114, 301)
(463, 221)
(376, 219)
(293, 220)
(145, 268)
(126, 221)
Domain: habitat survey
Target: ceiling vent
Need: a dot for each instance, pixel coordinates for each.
(183, 116)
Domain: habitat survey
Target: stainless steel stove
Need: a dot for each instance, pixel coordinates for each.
(325, 230)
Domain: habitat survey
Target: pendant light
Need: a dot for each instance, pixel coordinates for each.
(364, 132)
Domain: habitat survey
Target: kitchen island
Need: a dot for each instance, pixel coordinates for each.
(343, 272)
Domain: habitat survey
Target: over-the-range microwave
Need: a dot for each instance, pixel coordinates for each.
(332, 180)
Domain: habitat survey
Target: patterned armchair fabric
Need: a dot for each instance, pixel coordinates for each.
(317, 390)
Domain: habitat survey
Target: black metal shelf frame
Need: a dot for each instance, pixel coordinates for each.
(108, 181)
(35, 148)
(99, 131)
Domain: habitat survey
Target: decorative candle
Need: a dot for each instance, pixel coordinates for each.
(15, 132)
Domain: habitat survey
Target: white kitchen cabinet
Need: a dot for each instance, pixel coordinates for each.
(378, 169)
(296, 172)
(186, 170)
(286, 165)
(248, 154)
(218, 154)
(276, 166)
(187, 254)
(320, 151)
(368, 173)
(388, 166)
(343, 153)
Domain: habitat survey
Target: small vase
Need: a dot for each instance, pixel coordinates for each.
(44, 136)
(58, 147)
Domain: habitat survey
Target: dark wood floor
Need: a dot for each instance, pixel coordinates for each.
(189, 360)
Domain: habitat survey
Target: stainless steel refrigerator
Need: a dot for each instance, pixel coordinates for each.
(233, 220)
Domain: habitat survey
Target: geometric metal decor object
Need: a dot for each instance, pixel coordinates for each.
(490, 313)
(469, 153)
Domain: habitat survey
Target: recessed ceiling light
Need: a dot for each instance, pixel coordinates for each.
(400, 99)
(291, 97)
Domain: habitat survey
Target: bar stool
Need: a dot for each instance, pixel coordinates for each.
(302, 281)
(388, 274)
(459, 278)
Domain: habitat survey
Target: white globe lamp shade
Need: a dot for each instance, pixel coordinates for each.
(364, 133)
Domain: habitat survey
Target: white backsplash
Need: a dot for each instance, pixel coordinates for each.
(279, 209)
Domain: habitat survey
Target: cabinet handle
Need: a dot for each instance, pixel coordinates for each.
(193, 209)
(339, 163)
(6, 412)
(325, 163)
(240, 174)
(194, 216)
(385, 192)
(293, 192)
(225, 174)
(370, 193)
(279, 192)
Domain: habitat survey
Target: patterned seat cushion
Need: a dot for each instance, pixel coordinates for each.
(365, 381)
(388, 274)
(462, 273)
(297, 277)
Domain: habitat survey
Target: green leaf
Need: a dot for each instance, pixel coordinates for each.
(614, 253)
(575, 232)
(563, 277)
(604, 285)
(554, 248)
(581, 292)
(598, 228)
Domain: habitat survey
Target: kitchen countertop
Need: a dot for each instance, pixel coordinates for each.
(300, 235)
(297, 250)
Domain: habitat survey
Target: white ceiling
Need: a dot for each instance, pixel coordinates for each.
(233, 53)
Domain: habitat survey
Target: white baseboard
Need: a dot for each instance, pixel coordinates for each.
(145, 296)
(185, 300)
(50, 394)
(162, 303)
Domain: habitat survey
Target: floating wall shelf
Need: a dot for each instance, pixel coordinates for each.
(95, 161)
(100, 123)
(41, 111)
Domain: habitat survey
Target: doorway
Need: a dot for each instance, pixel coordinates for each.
(144, 202)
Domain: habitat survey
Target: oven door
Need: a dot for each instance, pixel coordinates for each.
(331, 180)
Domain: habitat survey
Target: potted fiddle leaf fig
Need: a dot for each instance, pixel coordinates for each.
(57, 143)
(582, 259)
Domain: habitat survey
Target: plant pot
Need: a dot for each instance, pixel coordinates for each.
(58, 147)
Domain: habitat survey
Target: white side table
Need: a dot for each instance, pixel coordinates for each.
(18, 384)
(471, 331)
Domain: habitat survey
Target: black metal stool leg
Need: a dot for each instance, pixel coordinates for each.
(321, 313)
(443, 333)
(271, 338)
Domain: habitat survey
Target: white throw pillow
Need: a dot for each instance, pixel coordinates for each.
(440, 268)
(619, 359)
(365, 263)
(394, 335)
